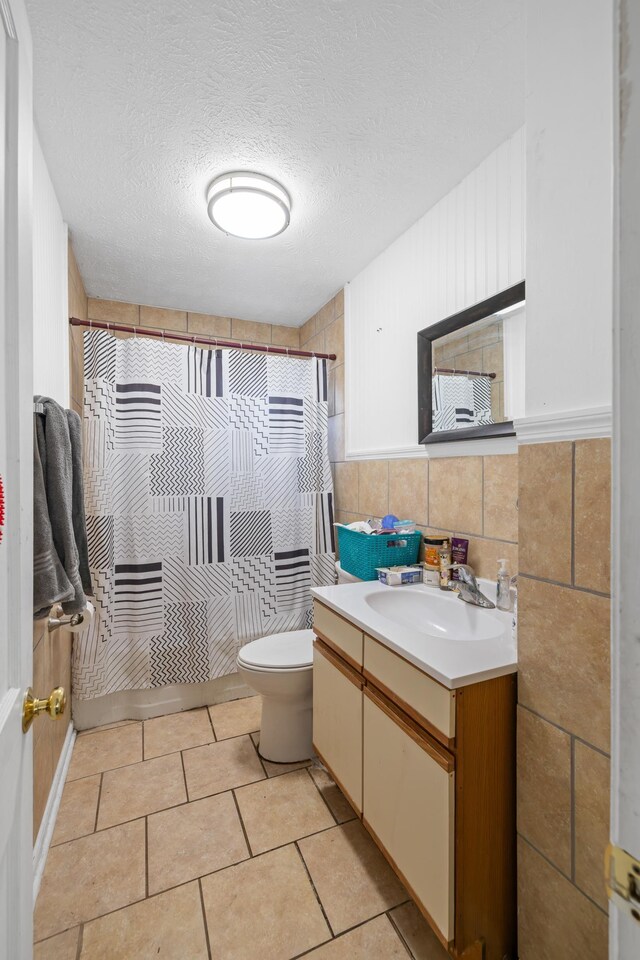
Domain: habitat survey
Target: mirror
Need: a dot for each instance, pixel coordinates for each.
(471, 371)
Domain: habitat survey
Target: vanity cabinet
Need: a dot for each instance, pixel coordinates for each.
(409, 790)
(431, 773)
(337, 721)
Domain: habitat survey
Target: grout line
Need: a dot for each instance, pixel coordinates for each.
(255, 747)
(211, 873)
(361, 923)
(213, 729)
(228, 866)
(143, 755)
(125, 906)
(80, 941)
(95, 823)
(572, 811)
(463, 533)
(322, 797)
(146, 858)
(172, 806)
(134, 763)
(482, 494)
(573, 514)
(570, 733)
(562, 874)
(244, 829)
(428, 475)
(567, 586)
(204, 918)
(397, 929)
(313, 887)
(184, 777)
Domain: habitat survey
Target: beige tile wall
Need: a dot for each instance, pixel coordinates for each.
(564, 698)
(176, 321)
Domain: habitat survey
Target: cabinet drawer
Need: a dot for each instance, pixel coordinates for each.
(408, 805)
(337, 721)
(427, 702)
(338, 633)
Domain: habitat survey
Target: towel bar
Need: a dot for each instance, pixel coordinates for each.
(73, 621)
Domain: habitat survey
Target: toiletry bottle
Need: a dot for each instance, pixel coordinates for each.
(445, 564)
(431, 575)
(503, 593)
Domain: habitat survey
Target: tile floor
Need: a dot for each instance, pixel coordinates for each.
(175, 840)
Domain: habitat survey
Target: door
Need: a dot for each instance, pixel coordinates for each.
(337, 720)
(408, 804)
(625, 663)
(16, 419)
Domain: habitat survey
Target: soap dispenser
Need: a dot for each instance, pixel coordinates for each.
(503, 592)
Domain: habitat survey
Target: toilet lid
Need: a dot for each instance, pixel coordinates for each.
(279, 650)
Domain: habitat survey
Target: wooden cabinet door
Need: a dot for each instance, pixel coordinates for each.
(337, 721)
(408, 805)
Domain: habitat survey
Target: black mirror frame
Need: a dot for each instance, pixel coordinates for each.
(506, 298)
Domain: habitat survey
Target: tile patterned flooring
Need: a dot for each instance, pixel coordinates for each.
(175, 840)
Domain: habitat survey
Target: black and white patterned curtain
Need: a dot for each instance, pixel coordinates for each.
(460, 401)
(209, 507)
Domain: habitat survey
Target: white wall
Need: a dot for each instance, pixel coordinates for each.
(50, 299)
(569, 136)
(466, 248)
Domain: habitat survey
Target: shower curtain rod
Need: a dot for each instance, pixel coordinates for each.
(195, 338)
(464, 373)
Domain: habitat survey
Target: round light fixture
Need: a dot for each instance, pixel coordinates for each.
(248, 205)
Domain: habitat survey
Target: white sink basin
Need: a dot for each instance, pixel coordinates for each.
(435, 614)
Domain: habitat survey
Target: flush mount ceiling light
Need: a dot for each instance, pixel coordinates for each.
(248, 205)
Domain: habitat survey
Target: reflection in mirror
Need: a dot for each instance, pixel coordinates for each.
(471, 370)
(478, 372)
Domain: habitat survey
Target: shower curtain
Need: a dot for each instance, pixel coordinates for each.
(458, 400)
(209, 507)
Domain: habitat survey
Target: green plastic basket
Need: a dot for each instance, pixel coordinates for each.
(362, 553)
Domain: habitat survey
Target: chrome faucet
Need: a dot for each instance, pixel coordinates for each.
(467, 586)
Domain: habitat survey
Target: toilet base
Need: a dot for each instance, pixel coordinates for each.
(286, 730)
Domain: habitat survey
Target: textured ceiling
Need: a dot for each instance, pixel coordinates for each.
(368, 111)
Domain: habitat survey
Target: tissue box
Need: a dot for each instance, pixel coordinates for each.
(395, 576)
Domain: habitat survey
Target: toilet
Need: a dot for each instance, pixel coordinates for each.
(280, 668)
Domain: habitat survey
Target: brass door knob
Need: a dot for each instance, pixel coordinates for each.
(32, 707)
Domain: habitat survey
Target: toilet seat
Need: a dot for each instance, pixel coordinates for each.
(279, 652)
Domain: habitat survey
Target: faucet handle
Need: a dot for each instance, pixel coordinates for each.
(467, 573)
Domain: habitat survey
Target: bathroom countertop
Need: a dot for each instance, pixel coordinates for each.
(430, 628)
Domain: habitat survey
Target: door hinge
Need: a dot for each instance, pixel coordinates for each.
(622, 878)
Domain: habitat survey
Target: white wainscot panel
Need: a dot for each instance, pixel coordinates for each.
(465, 249)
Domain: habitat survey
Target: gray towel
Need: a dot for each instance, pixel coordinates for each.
(54, 444)
(50, 582)
(79, 521)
